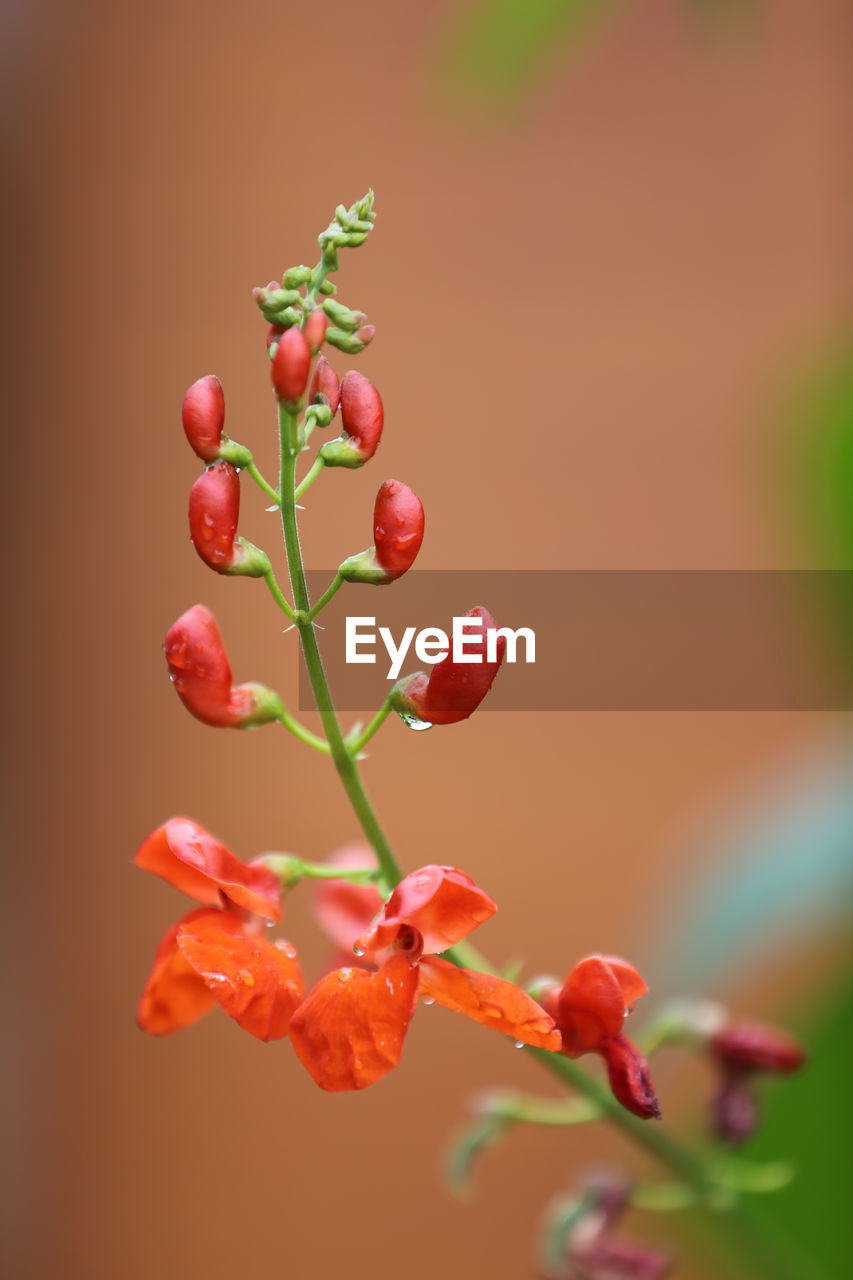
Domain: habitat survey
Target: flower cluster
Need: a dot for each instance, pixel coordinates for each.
(349, 1030)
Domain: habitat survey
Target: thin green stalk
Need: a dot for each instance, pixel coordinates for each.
(344, 763)
(375, 725)
(275, 592)
(310, 477)
(264, 485)
(336, 584)
(304, 735)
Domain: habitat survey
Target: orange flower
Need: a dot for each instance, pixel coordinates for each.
(349, 1031)
(217, 954)
(590, 1010)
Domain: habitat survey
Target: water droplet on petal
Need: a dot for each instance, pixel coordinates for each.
(519, 1044)
(359, 951)
(428, 1000)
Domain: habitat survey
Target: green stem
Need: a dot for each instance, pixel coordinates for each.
(336, 584)
(344, 763)
(375, 725)
(310, 477)
(304, 735)
(275, 592)
(521, 1109)
(252, 470)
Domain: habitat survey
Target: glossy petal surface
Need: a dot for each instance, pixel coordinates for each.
(492, 1001)
(257, 982)
(192, 860)
(174, 996)
(349, 1032)
(442, 903)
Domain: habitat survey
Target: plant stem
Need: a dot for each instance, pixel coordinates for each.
(336, 584)
(304, 735)
(344, 762)
(252, 470)
(310, 477)
(375, 725)
(275, 592)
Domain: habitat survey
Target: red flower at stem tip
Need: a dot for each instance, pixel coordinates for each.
(214, 512)
(454, 689)
(218, 954)
(363, 418)
(350, 1029)
(201, 673)
(590, 1010)
(398, 531)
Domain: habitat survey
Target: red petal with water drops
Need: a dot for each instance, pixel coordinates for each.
(257, 982)
(344, 910)
(192, 860)
(174, 996)
(441, 903)
(398, 527)
(349, 1032)
(492, 1001)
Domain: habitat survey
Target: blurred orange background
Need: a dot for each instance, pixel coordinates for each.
(583, 307)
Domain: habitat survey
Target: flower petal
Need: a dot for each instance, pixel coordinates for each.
(258, 983)
(192, 860)
(343, 910)
(174, 995)
(442, 903)
(492, 1001)
(590, 1007)
(632, 984)
(630, 1080)
(348, 1033)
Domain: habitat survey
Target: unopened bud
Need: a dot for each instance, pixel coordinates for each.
(201, 674)
(453, 690)
(342, 316)
(734, 1111)
(752, 1046)
(325, 387)
(630, 1080)
(398, 531)
(290, 366)
(294, 277)
(363, 418)
(214, 512)
(350, 343)
(315, 330)
(203, 416)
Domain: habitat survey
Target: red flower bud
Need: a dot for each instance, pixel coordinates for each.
(734, 1111)
(607, 1259)
(315, 330)
(201, 674)
(325, 387)
(290, 366)
(363, 418)
(629, 1077)
(274, 332)
(751, 1046)
(398, 531)
(214, 512)
(453, 690)
(203, 416)
(398, 527)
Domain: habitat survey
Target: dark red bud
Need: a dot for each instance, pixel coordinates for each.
(315, 330)
(203, 416)
(629, 1077)
(291, 365)
(362, 414)
(214, 512)
(606, 1259)
(398, 527)
(752, 1046)
(734, 1111)
(325, 387)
